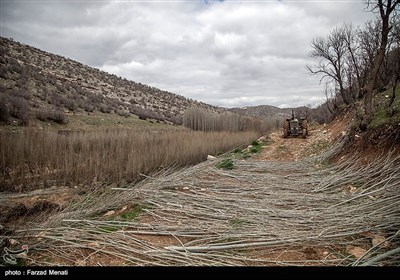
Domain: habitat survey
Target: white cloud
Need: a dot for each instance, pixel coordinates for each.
(228, 53)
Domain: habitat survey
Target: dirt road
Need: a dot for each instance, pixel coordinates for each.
(295, 148)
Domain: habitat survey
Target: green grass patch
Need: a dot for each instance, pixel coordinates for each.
(108, 120)
(226, 164)
(133, 213)
(255, 143)
(379, 119)
(129, 215)
(255, 149)
(389, 115)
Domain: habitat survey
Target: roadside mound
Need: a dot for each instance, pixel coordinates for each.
(377, 140)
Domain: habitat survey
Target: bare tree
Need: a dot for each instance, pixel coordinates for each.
(353, 47)
(394, 61)
(369, 38)
(386, 9)
(331, 53)
(202, 119)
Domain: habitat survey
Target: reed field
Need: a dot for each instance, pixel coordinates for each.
(31, 158)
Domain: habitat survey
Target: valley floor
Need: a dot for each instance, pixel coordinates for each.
(285, 206)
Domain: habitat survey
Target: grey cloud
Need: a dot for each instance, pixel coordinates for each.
(226, 53)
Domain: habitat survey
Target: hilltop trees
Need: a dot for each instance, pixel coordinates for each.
(358, 61)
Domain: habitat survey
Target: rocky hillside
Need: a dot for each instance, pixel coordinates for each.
(35, 84)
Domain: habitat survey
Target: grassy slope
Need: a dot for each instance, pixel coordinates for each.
(387, 116)
(83, 122)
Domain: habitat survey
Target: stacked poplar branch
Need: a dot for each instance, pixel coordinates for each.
(260, 213)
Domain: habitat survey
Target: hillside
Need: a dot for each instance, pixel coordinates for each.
(38, 84)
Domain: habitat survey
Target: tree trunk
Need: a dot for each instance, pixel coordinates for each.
(341, 90)
(378, 59)
(374, 73)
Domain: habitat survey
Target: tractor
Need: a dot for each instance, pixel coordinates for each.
(295, 127)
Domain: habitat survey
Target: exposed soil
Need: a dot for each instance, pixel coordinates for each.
(368, 145)
(16, 207)
(295, 148)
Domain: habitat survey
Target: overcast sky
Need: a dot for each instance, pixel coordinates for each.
(225, 53)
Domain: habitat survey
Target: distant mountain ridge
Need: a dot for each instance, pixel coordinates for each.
(268, 111)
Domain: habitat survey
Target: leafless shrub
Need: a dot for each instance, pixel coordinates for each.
(3, 72)
(123, 113)
(105, 108)
(4, 111)
(19, 108)
(71, 104)
(88, 107)
(56, 116)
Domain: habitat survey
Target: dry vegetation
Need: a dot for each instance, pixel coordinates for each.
(198, 118)
(31, 158)
(261, 212)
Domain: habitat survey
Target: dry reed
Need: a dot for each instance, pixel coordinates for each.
(109, 155)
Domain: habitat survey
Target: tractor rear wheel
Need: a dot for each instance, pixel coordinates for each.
(305, 126)
(285, 129)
